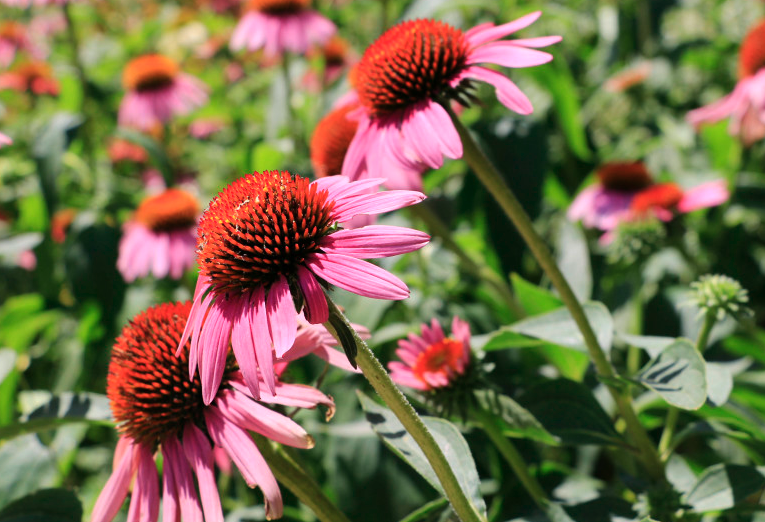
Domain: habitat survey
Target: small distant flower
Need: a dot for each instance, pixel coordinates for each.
(278, 26)
(156, 91)
(161, 237)
(267, 246)
(60, 224)
(628, 78)
(203, 128)
(721, 296)
(159, 411)
(745, 105)
(625, 190)
(338, 56)
(33, 77)
(432, 361)
(122, 150)
(5, 140)
(26, 3)
(27, 260)
(414, 67)
(13, 38)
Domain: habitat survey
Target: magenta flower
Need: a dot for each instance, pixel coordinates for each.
(405, 76)
(432, 360)
(5, 140)
(158, 410)
(277, 26)
(745, 106)
(161, 237)
(270, 241)
(157, 91)
(626, 191)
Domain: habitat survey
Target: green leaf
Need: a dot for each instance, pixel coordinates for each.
(558, 327)
(723, 486)
(61, 409)
(518, 421)
(46, 505)
(448, 437)
(533, 299)
(7, 362)
(568, 410)
(720, 380)
(650, 343)
(48, 150)
(678, 374)
(27, 465)
(505, 338)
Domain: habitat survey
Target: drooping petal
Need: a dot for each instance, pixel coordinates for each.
(144, 504)
(374, 241)
(375, 203)
(357, 276)
(200, 456)
(293, 395)
(282, 317)
(705, 195)
(507, 92)
(315, 309)
(244, 347)
(216, 335)
(116, 488)
(261, 337)
(183, 480)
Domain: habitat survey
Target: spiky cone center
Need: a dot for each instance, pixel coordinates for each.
(443, 356)
(148, 387)
(278, 7)
(752, 54)
(662, 195)
(624, 176)
(261, 227)
(413, 61)
(170, 210)
(331, 139)
(149, 72)
(12, 32)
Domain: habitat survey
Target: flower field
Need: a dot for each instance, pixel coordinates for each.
(382, 261)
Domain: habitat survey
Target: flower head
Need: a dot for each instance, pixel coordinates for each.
(161, 237)
(122, 150)
(745, 105)
(33, 77)
(60, 224)
(432, 361)
(720, 296)
(267, 246)
(159, 410)
(157, 90)
(625, 191)
(14, 38)
(405, 76)
(331, 139)
(281, 25)
(5, 140)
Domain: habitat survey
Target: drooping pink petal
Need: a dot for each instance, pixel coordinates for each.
(705, 195)
(722, 108)
(183, 480)
(216, 335)
(357, 276)
(375, 203)
(507, 92)
(315, 309)
(374, 241)
(261, 337)
(482, 34)
(508, 55)
(116, 488)
(292, 395)
(170, 507)
(196, 309)
(282, 317)
(144, 504)
(244, 346)
(200, 456)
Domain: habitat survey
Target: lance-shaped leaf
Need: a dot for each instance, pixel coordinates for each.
(448, 438)
(61, 409)
(678, 374)
(518, 421)
(723, 486)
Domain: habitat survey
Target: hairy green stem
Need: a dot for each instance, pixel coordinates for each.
(302, 485)
(439, 229)
(395, 400)
(489, 424)
(492, 180)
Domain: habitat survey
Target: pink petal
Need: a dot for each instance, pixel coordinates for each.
(216, 337)
(200, 456)
(144, 504)
(293, 395)
(116, 488)
(705, 195)
(508, 55)
(507, 92)
(315, 309)
(199, 291)
(374, 241)
(722, 108)
(183, 480)
(282, 317)
(483, 34)
(357, 276)
(540, 41)
(258, 320)
(375, 203)
(244, 347)
(335, 358)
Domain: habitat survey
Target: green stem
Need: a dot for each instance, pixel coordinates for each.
(489, 424)
(488, 175)
(302, 485)
(669, 431)
(439, 229)
(706, 328)
(424, 511)
(395, 400)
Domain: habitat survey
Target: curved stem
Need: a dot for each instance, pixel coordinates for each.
(439, 229)
(491, 179)
(395, 400)
(669, 431)
(302, 485)
(706, 328)
(490, 426)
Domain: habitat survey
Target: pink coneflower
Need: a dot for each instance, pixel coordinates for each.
(159, 411)
(269, 242)
(315, 339)
(161, 237)
(33, 77)
(746, 104)
(5, 140)
(277, 26)
(337, 55)
(123, 151)
(13, 38)
(60, 223)
(414, 67)
(156, 91)
(432, 360)
(330, 140)
(626, 189)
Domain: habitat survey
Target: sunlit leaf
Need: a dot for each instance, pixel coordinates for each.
(678, 374)
(723, 486)
(558, 327)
